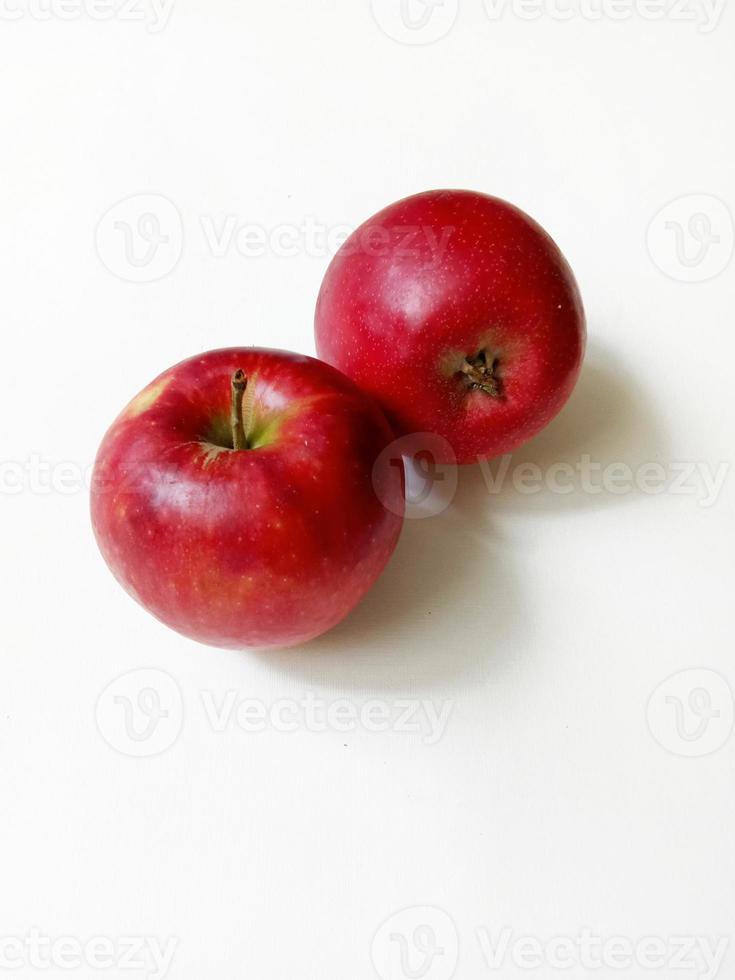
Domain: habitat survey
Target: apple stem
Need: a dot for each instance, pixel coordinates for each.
(239, 434)
(480, 374)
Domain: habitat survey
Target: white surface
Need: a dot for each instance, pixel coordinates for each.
(547, 620)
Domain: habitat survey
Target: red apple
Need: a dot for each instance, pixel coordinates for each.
(460, 315)
(236, 498)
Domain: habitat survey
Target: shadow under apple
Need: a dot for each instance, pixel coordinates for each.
(402, 634)
(576, 462)
(456, 567)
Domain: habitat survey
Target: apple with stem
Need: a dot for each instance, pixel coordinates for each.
(460, 315)
(238, 499)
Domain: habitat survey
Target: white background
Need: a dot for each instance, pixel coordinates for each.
(556, 799)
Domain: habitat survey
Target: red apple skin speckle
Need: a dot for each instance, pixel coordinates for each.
(263, 547)
(440, 277)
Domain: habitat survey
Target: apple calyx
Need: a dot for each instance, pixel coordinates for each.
(480, 374)
(239, 428)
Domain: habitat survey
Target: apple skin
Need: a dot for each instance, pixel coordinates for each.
(268, 546)
(434, 280)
